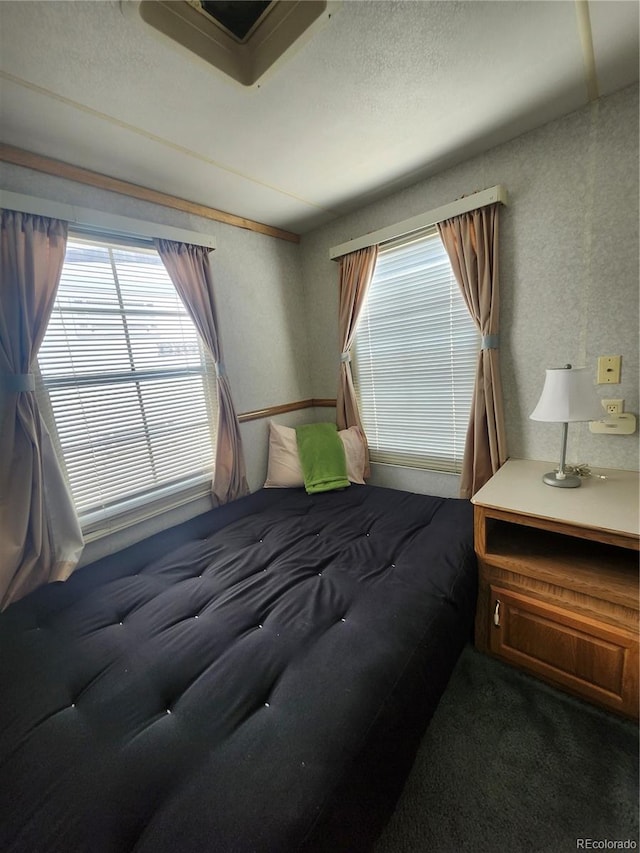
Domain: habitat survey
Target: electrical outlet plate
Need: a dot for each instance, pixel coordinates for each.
(613, 407)
(609, 369)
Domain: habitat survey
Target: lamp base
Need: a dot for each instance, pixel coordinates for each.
(567, 481)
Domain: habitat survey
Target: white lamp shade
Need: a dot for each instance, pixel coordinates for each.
(568, 395)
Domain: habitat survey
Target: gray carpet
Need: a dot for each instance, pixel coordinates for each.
(509, 765)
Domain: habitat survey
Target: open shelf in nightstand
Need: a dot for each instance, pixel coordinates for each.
(599, 568)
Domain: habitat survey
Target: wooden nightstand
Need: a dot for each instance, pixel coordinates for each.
(558, 580)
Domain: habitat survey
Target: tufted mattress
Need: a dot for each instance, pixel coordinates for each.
(261, 687)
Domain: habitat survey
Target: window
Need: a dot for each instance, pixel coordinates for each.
(415, 357)
(130, 397)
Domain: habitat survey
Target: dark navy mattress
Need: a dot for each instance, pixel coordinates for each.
(262, 688)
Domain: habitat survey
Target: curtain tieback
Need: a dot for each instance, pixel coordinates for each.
(345, 357)
(490, 342)
(16, 383)
(220, 369)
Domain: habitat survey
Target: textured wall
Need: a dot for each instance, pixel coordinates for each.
(569, 270)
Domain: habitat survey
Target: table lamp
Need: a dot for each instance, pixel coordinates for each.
(568, 395)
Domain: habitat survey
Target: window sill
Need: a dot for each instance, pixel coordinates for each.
(415, 464)
(419, 480)
(103, 523)
(117, 540)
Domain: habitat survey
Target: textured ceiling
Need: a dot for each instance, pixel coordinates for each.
(383, 93)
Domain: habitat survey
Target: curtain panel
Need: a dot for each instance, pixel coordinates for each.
(356, 272)
(40, 536)
(189, 270)
(471, 241)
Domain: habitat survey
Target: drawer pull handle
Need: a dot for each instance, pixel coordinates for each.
(496, 614)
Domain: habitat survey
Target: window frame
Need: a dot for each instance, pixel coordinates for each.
(382, 453)
(128, 511)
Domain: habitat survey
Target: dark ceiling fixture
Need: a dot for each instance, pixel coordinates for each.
(238, 16)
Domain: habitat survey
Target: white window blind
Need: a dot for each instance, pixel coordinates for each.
(128, 381)
(415, 357)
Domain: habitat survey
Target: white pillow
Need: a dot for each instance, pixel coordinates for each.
(284, 470)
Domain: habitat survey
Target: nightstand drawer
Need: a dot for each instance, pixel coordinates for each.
(590, 658)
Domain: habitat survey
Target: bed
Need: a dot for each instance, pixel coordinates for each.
(257, 679)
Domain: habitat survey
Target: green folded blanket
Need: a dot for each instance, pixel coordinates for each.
(322, 459)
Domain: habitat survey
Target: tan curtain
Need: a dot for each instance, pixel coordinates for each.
(471, 241)
(188, 267)
(40, 537)
(356, 272)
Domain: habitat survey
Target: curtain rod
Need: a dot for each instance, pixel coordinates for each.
(422, 220)
(100, 221)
